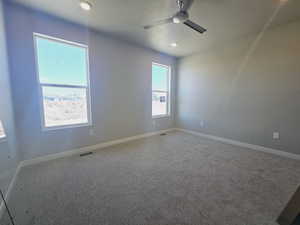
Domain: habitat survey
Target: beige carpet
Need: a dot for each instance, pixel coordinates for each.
(174, 179)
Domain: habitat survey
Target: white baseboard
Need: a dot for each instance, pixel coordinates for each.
(242, 144)
(89, 148)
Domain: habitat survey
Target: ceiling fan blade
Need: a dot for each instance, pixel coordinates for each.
(187, 5)
(159, 22)
(195, 26)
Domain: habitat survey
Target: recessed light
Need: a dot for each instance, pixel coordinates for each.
(85, 5)
(174, 44)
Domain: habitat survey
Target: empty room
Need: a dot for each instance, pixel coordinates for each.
(149, 112)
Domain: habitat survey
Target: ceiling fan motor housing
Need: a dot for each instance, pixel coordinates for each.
(180, 17)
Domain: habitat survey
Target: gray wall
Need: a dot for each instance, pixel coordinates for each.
(242, 94)
(8, 147)
(120, 85)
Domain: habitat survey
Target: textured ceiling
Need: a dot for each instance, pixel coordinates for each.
(225, 20)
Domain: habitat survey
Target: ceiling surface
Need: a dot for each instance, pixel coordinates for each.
(225, 20)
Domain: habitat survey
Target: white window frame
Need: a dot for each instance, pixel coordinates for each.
(168, 92)
(3, 138)
(41, 85)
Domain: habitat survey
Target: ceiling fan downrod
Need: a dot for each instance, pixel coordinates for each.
(180, 4)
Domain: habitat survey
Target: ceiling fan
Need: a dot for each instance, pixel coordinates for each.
(182, 16)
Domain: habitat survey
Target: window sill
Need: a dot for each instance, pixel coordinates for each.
(66, 127)
(161, 116)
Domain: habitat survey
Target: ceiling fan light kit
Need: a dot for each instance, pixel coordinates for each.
(176, 20)
(182, 16)
(85, 5)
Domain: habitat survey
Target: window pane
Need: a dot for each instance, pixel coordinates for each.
(160, 76)
(159, 103)
(2, 133)
(61, 63)
(64, 106)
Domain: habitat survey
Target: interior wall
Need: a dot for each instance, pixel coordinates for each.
(8, 146)
(120, 75)
(246, 90)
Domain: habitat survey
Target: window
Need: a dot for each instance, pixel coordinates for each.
(64, 82)
(160, 90)
(2, 133)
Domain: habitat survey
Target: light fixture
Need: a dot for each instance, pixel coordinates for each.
(180, 17)
(176, 19)
(85, 5)
(174, 44)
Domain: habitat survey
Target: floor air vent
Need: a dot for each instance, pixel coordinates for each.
(86, 154)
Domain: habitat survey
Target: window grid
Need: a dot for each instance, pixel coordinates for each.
(43, 84)
(167, 92)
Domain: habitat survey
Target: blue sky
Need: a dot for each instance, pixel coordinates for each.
(61, 63)
(159, 77)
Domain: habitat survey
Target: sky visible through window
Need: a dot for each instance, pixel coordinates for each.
(60, 63)
(159, 77)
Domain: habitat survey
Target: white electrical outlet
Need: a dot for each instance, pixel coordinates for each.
(276, 135)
